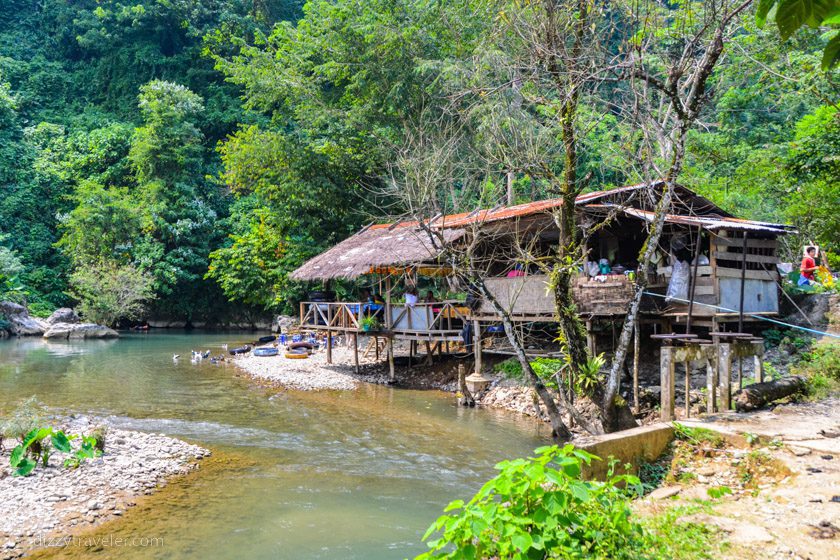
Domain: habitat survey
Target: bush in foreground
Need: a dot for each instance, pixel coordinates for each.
(541, 508)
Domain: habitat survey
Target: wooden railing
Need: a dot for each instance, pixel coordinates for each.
(348, 316)
(428, 317)
(339, 316)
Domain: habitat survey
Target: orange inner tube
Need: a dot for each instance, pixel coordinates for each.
(297, 355)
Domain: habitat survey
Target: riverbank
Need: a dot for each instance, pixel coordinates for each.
(55, 503)
(767, 481)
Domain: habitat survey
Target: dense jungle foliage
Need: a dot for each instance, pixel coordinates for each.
(195, 152)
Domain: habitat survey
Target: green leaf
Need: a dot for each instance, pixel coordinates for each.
(831, 55)
(793, 14)
(25, 467)
(457, 504)
(522, 541)
(580, 492)
(762, 11)
(60, 442)
(17, 455)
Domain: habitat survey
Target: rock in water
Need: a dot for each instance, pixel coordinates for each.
(63, 315)
(79, 331)
(20, 323)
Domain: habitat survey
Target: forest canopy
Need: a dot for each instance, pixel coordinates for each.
(202, 150)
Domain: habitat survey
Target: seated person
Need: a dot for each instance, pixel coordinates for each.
(808, 267)
(518, 270)
(430, 297)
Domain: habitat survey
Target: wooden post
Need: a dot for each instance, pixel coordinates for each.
(429, 359)
(636, 345)
(687, 366)
(725, 375)
(759, 365)
(387, 320)
(711, 387)
(392, 375)
(590, 339)
(666, 372)
(376, 343)
(467, 398)
(329, 347)
(356, 351)
(477, 345)
(693, 286)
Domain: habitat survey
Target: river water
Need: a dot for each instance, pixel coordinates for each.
(332, 475)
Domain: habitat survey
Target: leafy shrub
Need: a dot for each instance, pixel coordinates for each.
(40, 309)
(821, 367)
(90, 448)
(510, 369)
(541, 508)
(4, 323)
(29, 415)
(546, 369)
(773, 337)
(36, 447)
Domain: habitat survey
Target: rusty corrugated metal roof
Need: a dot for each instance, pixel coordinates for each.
(706, 222)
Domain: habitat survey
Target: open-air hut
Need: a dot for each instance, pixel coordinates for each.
(716, 250)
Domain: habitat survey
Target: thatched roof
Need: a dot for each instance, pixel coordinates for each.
(377, 246)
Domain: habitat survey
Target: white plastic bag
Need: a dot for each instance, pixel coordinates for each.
(678, 286)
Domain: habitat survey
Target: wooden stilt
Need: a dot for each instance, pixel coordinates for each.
(740, 372)
(429, 358)
(376, 343)
(477, 345)
(666, 366)
(590, 339)
(329, 347)
(759, 367)
(636, 345)
(356, 352)
(391, 371)
(687, 366)
(711, 387)
(725, 376)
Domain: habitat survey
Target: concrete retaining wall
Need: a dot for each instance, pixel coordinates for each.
(634, 446)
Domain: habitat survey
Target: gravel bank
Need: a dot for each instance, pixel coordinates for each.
(313, 373)
(55, 502)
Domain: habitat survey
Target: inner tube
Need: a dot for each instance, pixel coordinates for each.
(241, 350)
(265, 352)
(297, 354)
(296, 345)
(265, 339)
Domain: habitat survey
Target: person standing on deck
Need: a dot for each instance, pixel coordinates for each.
(411, 296)
(808, 267)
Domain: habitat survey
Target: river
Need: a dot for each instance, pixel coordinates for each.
(329, 475)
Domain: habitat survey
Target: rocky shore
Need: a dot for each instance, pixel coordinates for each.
(56, 502)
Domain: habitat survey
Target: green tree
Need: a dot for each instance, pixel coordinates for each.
(107, 292)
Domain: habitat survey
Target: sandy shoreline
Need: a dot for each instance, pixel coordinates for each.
(56, 502)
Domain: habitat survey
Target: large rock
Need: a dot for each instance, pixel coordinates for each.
(20, 323)
(79, 331)
(63, 315)
(282, 323)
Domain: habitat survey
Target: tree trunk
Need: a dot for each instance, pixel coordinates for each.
(758, 395)
(559, 430)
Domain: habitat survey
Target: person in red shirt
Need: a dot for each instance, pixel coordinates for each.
(808, 267)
